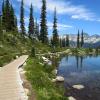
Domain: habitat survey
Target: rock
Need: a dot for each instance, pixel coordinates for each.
(45, 59)
(59, 78)
(71, 98)
(79, 87)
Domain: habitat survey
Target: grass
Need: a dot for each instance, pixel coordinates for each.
(40, 77)
(12, 45)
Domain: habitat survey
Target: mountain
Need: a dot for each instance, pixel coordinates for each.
(89, 40)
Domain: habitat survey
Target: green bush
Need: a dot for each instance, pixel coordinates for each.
(33, 52)
(6, 59)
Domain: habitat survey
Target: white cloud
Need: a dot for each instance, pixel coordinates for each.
(76, 12)
(59, 26)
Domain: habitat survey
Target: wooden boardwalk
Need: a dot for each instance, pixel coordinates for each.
(10, 83)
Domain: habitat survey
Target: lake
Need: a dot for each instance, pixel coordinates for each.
(84, 70)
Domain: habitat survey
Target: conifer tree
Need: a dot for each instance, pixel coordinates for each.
(60, 42)
(12, 19)
(51, 42)
(78, 39)
(63, 42)
(55, 32)
(3, 15)
(67, 40)
(0, 28)
(31, 23)
(82, 38)
(22, 24)
(37, 32)
(16, 28)
(43, 24)
(0, 25)
(7, 15)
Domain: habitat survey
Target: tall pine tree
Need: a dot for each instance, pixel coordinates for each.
(60, 42)
(7, 15)
(78, 39)
(37, 31)
(43, 24)
(82, 38)
(63, 42)
(22, 24)
(31, 23)
(12, 19)
(55, 32)
(3, 15)
(67, 40)
(0, 25)
(16, 28)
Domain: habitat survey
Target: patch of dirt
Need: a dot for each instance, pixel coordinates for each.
(26, 84)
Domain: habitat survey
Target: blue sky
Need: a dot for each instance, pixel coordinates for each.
(71, 14)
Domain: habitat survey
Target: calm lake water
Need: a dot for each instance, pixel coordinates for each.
(84, 71)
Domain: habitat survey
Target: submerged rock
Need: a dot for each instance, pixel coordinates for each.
(71, 98)
(79, 87)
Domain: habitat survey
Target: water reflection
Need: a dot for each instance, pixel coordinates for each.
(83, 70)
(79, 62)
(81, 67)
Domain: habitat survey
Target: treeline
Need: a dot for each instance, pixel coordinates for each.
(8, 22)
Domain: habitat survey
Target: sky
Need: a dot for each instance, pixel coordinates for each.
(71, 14)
